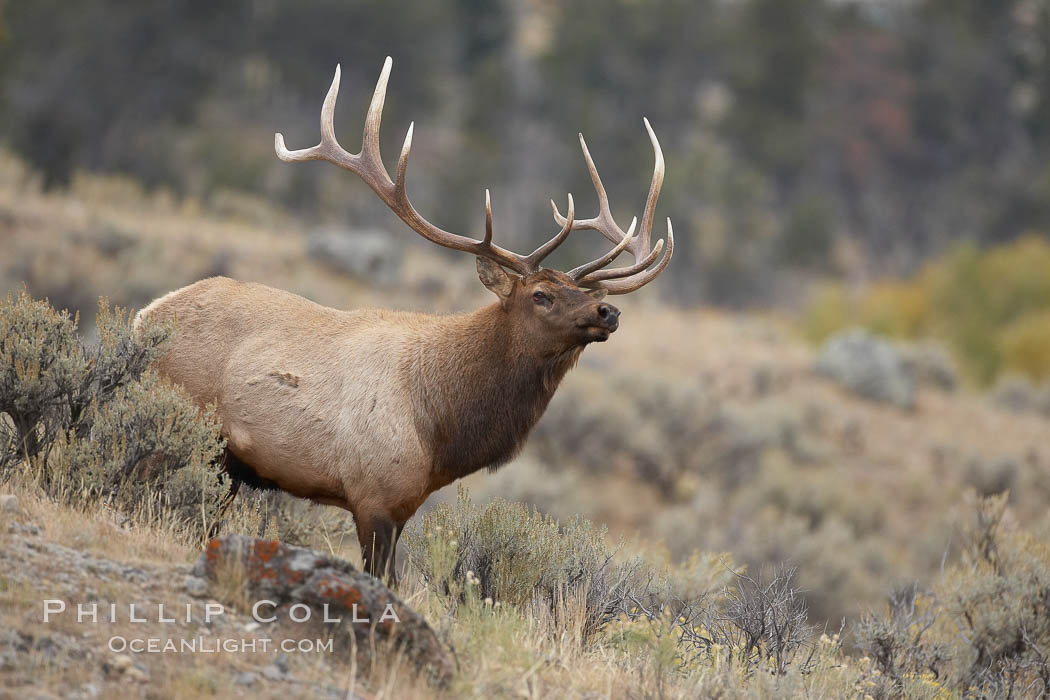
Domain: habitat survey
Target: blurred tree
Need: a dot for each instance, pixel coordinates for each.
(773, 49)
(86, 83)
(976, 65)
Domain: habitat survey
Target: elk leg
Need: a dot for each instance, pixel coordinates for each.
(227, 500)
(378, 537)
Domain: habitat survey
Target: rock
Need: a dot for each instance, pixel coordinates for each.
(195, 586)
(88, 691)
(1022, 396)
(868, 366)
(245, 678)
(281, 662)
(23, 529)
(303, 582)
(370, 255)
(45, 644)
(117, 666)
(929, 364)
(112, 241)
(272, 673)
(136, 674)
(8, 503)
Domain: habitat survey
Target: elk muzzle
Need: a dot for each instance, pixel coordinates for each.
(602, 323)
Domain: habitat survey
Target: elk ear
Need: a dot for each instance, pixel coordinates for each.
(498, 280)
(596, 294)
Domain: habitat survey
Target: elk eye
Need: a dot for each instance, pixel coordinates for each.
(541, 298)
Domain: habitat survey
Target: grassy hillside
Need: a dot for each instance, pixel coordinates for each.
(690, 431)
(701, 629)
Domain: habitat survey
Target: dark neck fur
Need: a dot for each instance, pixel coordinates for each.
(480, 390)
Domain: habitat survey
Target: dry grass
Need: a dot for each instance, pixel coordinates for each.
(530, 649)
(99, 530)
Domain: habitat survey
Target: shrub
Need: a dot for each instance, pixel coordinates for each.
(49, 377)
(585, 425)
(1025, 345)
(900, 641)
(682, 616)
(829, 310)
(764, 621)
(991, 307)
(148, 435)
(896, 310)
(42, 366)
(984, 629)
(92, 421)
(756, 623)
(998, 603)
(520, 557)
(1021, 395)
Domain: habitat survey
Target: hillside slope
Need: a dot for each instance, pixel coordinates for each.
(690, 429)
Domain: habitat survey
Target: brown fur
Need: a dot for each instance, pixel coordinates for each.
(372, 410)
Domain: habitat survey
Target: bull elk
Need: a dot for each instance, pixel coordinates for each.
(373, 410)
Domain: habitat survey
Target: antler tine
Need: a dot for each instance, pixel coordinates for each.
(536, 257)
(402, 161)
(616, 272)
(603, 222)
(654, 189)
(597, 264)
(328, 149)
(368, 165)
(638, 280)
(374, 117)
(488, 219)
(591, 274)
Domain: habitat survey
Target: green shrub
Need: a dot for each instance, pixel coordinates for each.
(900, 641)
(1025, 344)
(992, 308)
(828, 311)
(682, 616)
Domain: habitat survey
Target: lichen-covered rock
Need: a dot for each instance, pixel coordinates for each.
(868, 366)
(357, 608)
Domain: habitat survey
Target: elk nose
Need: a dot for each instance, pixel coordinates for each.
(608, 313)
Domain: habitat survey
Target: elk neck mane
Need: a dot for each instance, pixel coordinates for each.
(478, 389)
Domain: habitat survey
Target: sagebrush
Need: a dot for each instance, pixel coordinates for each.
(92, 421)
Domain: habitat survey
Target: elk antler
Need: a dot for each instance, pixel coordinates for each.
(622, 279)
(368, 165)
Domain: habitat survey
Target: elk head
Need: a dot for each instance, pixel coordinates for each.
(550, 311)
(557, 309)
